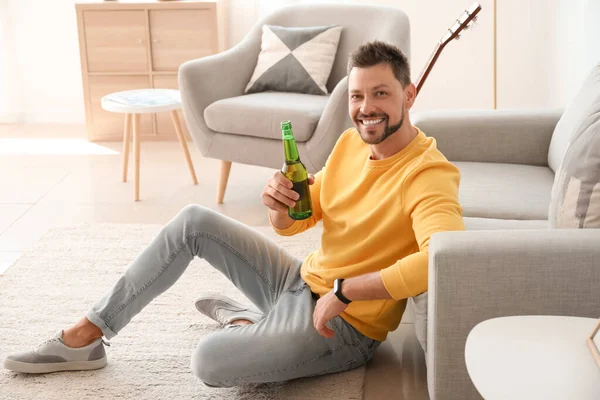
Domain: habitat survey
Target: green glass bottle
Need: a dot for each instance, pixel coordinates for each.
(295, 171)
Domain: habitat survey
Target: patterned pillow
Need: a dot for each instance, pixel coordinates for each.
(295, 59)
(576, 192)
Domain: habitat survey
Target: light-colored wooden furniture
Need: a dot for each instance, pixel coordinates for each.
(135, 44)
(136, 103)
(533, 357)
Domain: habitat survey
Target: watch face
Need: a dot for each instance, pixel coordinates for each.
(336, 286)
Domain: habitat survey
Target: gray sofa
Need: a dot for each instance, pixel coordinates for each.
(509, 261)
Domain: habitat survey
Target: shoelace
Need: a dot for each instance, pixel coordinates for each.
(46, 342)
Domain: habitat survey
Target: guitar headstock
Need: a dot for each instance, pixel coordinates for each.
(464, 22)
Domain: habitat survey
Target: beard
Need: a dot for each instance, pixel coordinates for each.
(388, 130)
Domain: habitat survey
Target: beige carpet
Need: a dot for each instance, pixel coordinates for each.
(53, 285)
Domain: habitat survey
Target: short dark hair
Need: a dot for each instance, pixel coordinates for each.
(377, 52)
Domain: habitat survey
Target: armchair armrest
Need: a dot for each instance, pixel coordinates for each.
(499, 136)
(206, 80)
(333, 122)
(478, 275)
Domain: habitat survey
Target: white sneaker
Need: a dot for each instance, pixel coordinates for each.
(54, 356)
(225, 310)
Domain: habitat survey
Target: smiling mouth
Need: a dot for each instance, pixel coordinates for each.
(371, 122)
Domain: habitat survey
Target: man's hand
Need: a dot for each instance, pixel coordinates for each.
(327, 308)
(278, 194)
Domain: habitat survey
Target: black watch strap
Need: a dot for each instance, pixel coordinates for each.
(337, 290)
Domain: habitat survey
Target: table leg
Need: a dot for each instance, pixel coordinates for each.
(126, 139)
(136, 155)
(184, 146)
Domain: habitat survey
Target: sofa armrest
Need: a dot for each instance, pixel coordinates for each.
(498, 136)
(206, 80)
(333, 122)
(478, 275)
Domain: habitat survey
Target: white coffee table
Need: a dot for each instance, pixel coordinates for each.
(133, 103)
(533, 357)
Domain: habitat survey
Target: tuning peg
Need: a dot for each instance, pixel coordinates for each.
(472, 24)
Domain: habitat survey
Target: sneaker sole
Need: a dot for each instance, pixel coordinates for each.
(29, 368)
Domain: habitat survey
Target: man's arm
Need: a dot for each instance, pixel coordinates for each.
(365, 287)
(430, 198)
(280, 220)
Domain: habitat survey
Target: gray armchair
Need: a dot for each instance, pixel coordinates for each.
(246, 128)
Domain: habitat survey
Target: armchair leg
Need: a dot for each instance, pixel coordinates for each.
(224, 176)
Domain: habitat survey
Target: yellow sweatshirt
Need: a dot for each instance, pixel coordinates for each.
(378, 215)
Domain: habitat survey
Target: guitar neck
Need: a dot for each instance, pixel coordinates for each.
(454, 31)
(429, 66)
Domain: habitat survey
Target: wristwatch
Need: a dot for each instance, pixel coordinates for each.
(337, 290)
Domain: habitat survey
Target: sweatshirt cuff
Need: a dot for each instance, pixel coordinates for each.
(393, 282)
(289, 231)
(407, 277)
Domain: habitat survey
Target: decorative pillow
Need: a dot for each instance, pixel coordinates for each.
(295, 59)
(576, 192)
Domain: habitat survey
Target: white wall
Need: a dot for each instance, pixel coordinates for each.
(577, 47)
(46, 59)
(10, 101)
(545, 48)
(526, 45)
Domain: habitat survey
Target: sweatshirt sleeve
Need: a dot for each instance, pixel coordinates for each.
(430, 198)
(302, 225)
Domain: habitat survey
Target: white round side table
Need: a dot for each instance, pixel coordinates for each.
(133, 103)
(533, 357)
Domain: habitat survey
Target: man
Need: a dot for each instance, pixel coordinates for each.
(384, 191)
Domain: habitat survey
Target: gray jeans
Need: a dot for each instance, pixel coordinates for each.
(284, 345)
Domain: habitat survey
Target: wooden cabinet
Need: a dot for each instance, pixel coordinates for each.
(114, 41)
(180, 35)
(134, 44)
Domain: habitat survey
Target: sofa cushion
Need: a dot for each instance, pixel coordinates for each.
(417, 306)
(575, 200)
(485, 224)
(575, 114)
(504, 191)
(260, 114)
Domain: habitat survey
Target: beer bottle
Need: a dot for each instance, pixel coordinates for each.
(295, 171)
